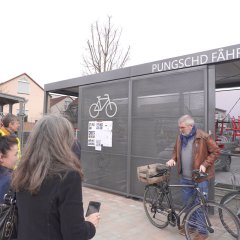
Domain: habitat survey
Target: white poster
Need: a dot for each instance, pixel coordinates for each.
(107, 134)
(91, 134)
(100, 134)
(98, 140)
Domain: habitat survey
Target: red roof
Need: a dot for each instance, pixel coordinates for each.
(56, 100)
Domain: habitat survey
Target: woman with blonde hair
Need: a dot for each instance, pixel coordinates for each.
(48, 185)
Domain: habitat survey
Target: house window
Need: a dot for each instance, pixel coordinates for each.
(23, 86)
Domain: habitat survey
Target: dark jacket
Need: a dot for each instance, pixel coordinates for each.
(76, 148)
(5, 181)
(205, 151)
(55, 213)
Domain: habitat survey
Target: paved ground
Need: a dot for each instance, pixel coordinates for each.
(124, 219)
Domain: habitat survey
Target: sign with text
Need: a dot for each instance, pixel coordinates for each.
(212, 56)
(100, 134)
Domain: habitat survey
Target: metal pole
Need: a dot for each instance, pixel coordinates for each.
(10, 108)
(21, 115)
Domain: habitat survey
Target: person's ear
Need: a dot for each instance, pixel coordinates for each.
(1, 160)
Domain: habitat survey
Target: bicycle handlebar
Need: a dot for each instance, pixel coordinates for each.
(199, 175)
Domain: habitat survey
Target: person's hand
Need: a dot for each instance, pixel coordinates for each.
(171, 163)
(202, 168)
(93, 218)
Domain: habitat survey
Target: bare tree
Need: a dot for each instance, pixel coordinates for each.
(103, 49)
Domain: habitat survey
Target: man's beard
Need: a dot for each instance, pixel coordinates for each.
(185, 134)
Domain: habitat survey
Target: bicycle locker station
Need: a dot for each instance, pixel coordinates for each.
(128, 117)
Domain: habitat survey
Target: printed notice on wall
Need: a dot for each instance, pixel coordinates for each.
(107, 134)
(91, 133)
(100, 134)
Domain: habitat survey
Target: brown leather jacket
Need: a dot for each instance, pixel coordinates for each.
(205, 152)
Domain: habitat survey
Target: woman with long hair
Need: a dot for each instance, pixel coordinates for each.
(8, 159)
(48, 185)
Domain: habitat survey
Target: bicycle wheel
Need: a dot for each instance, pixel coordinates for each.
(155, 206)
(111, 109)
(232, 202)
(94, 110)
(204, 222)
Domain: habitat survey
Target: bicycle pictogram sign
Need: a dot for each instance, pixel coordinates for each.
(103, 102)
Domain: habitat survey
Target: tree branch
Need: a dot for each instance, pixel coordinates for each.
(103, 49)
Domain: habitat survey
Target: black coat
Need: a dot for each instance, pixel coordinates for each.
(55, 213)
(76, 148)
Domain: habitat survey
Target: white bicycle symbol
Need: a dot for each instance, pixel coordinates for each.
(110, 107)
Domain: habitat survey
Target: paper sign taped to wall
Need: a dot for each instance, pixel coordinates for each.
(100, 134)
(91, 133)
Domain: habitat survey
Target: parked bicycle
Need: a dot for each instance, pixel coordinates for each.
(218, 220)
(232, 199)
(103, 102)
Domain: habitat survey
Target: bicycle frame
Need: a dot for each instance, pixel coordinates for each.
(197, 195)
(199, 217)
(234, 194)
(231, 198)
(101, 99)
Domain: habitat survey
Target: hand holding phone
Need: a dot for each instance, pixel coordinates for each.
(93, 207)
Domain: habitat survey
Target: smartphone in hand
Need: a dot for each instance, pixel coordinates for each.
(93, 207)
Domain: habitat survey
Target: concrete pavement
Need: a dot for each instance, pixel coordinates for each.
(124, 219)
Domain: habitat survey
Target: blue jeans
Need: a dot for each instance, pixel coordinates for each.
(187, 193)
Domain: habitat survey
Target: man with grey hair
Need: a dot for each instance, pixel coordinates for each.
(194, 149)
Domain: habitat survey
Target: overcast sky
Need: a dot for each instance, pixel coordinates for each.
(229, 101)
(46, 38)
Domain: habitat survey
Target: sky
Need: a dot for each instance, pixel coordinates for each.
(229, 100)
(47, 38)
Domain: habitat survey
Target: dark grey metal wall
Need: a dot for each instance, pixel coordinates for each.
(150, 98)
(144, 127)
(106, 168)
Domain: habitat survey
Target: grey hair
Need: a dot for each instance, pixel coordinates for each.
(47, 152)
(187, 119)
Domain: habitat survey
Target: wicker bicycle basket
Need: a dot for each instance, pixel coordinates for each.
(145, 173)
